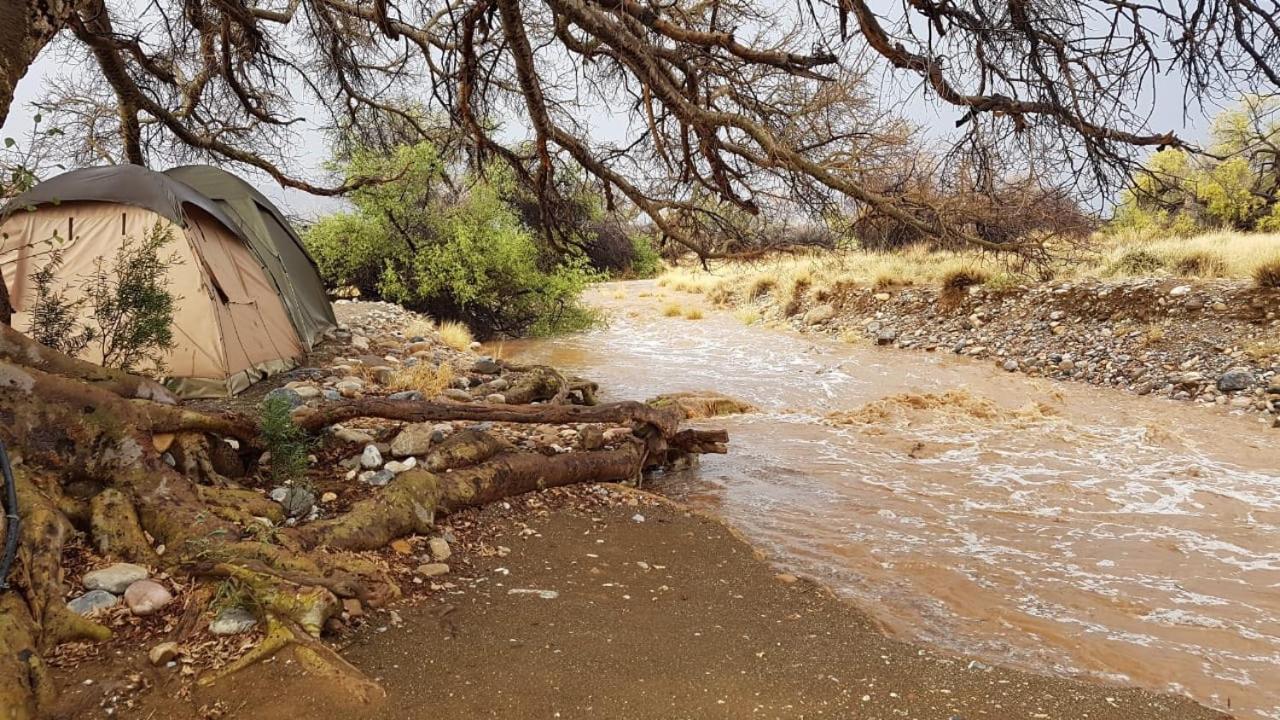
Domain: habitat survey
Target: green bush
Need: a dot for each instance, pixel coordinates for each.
(645, 260)
(454, 254)
(126, 313)
(284, 440)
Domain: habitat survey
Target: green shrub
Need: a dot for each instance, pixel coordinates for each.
(129, 306)
(645, 260)
(460, 255)
(284, 440)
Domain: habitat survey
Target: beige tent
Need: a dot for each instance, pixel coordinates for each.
(231, 328)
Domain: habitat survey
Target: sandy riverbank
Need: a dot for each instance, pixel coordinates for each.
(672, 616)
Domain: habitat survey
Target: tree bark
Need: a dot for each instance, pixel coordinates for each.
(26, 27)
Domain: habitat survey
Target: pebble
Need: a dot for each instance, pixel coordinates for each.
(91, 601)
(233, 621)
(371, 458)
(146, 597)
(354, 437)
(288, 395)
(163, 653)
(115, 578)
(432, 569)
(439, 549)
(399, 466)
(376, 478)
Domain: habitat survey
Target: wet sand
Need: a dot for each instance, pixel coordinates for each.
(674, 616)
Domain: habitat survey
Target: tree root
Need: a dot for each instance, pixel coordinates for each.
(116, 531)
(19, 349)
(407, 505)
(667, 420)
(94, 431)
(312, 654)
(25, 687)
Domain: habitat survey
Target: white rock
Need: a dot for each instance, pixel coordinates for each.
(370, 459)
(233, 621)
(115, 578)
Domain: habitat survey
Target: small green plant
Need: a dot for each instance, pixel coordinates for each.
(55, 318)
(126, 313)
(285, 441)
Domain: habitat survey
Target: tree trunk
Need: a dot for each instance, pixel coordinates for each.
(26, 27)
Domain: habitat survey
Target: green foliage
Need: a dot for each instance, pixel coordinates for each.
(1180, 194)
(130, 302)
(55, 318)
(126, 313)
(460, 254)
(645, 261)
(284, 440)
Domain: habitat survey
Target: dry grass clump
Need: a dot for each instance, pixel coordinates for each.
(1266, 274)
(1200, 262)
(423, 377)
(419, 327)
(693, 314)
(747, 315)
(672, 310)
(455, 335)
(962, 277)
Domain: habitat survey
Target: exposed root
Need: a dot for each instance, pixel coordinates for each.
(115, 529)
(469, 447)
(314, 656)
(19, 349)
(25, 688)
(665, 419)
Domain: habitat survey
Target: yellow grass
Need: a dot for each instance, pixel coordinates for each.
(423, 377)
(455, 335)
(693, 314)
(793, 279)
(419, 327)
(672, 310)
(747, 315)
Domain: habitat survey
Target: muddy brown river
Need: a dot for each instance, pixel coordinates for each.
(1056, 526)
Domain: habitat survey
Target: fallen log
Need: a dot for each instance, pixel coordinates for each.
(667, 420)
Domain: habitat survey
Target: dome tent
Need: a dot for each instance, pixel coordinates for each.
(273, 240)
(230, 325)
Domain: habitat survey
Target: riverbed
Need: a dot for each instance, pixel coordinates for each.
(1046, 525)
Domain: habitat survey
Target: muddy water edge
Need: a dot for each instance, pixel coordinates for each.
(1045, 525)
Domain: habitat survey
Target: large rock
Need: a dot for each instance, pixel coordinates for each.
(356, 437)
(296, 501)
(439, 549)
(288, 395)
(116, 578)
(414, 439)
(819, 314)
(146, 597)
(91, 601)
(1236, 379)
(233, 621)
(486, 366)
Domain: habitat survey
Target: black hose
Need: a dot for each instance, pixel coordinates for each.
(13, 523)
